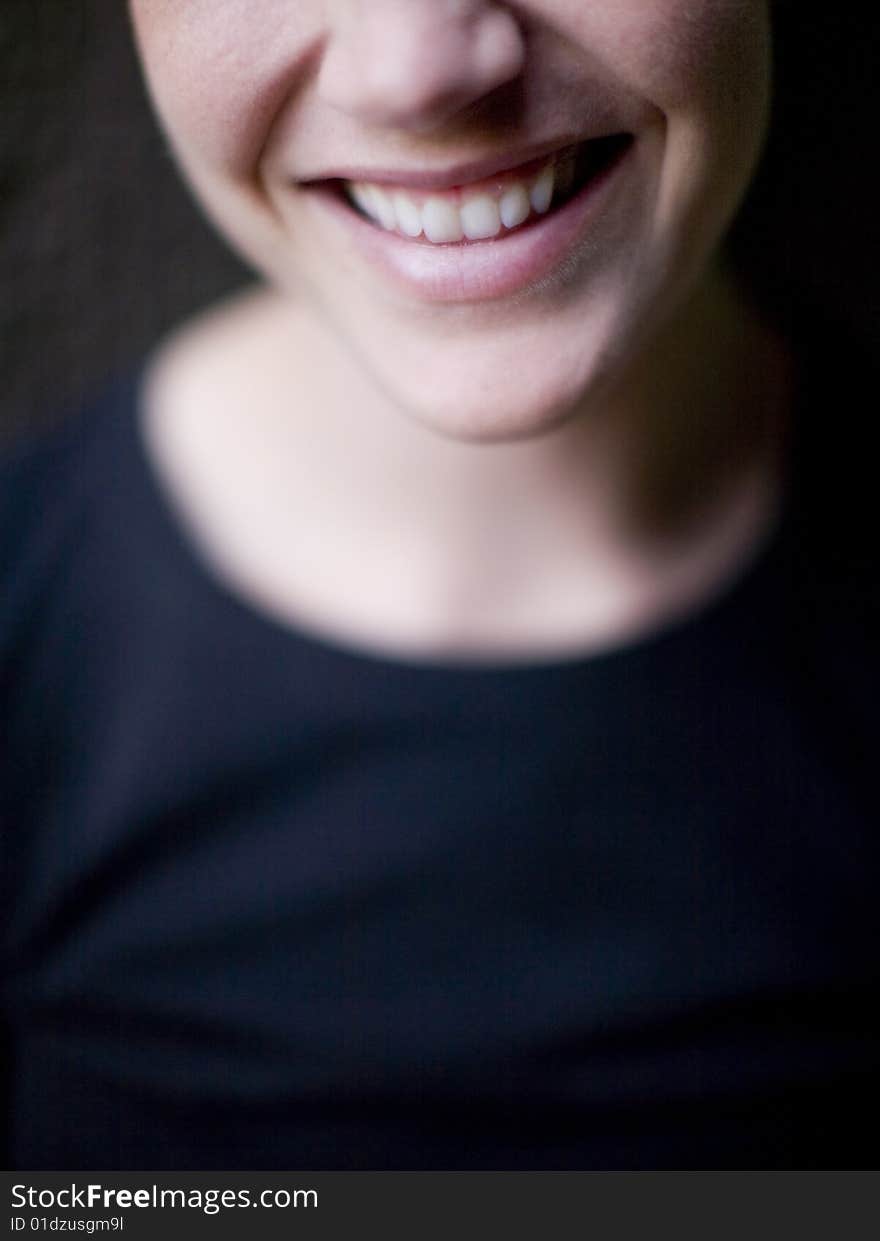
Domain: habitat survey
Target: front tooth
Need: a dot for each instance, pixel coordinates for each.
(542, 191)
(409, 218)
(480, 218)
(514, 206)
(441, 221)
(383, 209)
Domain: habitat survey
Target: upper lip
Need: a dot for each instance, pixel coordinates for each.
(451, 175)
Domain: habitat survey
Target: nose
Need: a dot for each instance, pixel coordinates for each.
(415, 64)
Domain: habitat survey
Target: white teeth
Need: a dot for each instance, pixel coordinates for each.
(409, 218)
(542, 191)
(514, 206)
(383, 208)
(479, 217)
(441, 221)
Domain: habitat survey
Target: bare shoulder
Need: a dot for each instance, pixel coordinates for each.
(213, 354)
(213, 382)
(208, 394)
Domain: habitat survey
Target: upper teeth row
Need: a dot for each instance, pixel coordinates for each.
(476, 217)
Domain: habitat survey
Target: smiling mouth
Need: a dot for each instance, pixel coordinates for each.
(489, 209)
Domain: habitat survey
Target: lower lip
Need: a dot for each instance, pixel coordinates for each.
(483, 270)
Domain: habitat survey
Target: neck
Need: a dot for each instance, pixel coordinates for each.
(632, 507)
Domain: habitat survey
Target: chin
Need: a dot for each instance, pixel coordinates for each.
(504, 425)
(490, 404)
(497, 384)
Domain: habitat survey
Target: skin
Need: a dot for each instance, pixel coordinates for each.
(631, 398)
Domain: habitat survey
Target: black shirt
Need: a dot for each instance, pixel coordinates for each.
(272, 902)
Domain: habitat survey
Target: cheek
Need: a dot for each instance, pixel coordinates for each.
(704, 66)
(218, 73)
(680, 55)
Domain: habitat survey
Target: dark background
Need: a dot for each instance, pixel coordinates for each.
(101, 249)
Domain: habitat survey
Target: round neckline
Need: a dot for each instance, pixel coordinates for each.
(189, 561)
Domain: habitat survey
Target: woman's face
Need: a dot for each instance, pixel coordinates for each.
(391, 163)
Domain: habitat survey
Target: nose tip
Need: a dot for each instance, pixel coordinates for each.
(415, 65)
